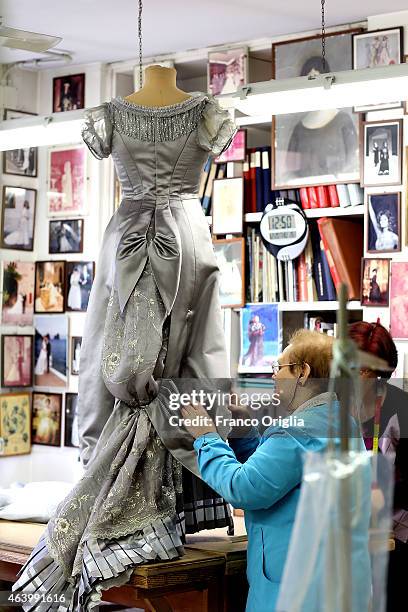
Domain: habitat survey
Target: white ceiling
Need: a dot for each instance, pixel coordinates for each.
(106, 30)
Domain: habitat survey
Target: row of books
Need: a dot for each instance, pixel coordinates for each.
(333, 254)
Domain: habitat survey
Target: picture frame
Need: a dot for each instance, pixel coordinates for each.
(236, 151)
(261, 337)
(46, 418)
(78, 283)
(12, 113)
(71, 434)
(230, 255)
(18, 292)
(381, 153)
(375, 282)
(68, 92)
(49, 292)
(383, 222)
(67, 167)
(18, 211)
(227, 69)
(17, 360)
(399, 300)
(50, 350)
(21, 162)
(405, 101)
(66, 236)
(76, 342)
(15, 424)
(227, 206)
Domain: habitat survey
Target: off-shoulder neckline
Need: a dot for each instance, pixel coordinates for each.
(195, 98)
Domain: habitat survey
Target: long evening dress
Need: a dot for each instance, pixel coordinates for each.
(153, 326)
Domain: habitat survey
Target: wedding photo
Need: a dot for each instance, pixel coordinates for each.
(71, 435)
(18, 293)
(67, 180)
(227, 70)
(79, 279)
(75, 355)
(18, 218)
(50, 350)
(17, 360)
(66, 236)
(49, 286)
(46, 419)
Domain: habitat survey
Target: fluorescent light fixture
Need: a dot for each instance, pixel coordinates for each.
(325, 91)
(37, 131)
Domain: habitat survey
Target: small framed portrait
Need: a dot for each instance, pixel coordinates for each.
(227, 70)
(399, 300)
(76, 342)
(375, 282)
(383, 222)
(17, 361)
(49, 286)
(21, 162)
(261, 337)
(80, 276)
(227, 206)
(236, 151)
(46, 419)
(381, 153)
(66, 181)
(18, 293)
(71, 435)
(11, 113)
(15, 424)
(68, 93)
(18, 218)
(230, 255)
(66, 236)
(50, 350)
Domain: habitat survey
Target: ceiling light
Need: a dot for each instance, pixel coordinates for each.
(37, 131)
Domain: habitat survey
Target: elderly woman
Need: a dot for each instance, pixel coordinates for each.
(263, 475)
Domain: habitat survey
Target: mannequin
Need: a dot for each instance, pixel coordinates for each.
(159, 88)
(319, 119)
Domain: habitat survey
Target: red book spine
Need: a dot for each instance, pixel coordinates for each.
(304, 198)
(302, 278)
(247, 185)
(333, 196)
(312, 197)
(333, 270)
(322, 196)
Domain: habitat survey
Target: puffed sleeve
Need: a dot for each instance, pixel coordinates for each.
(96, 130)
(216, 129)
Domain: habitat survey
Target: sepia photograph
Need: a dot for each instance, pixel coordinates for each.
(15, 424)
(50, 350)
(17, 360)
(66, 236)
(68, 93)
(375, 282)
(49, 286)
(381, 153)
(18, 218)
(227, 70)
(46, 419)
(18, 293)
(79, 279)
(383, 222)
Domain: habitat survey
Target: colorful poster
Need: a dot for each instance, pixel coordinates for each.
(67, 181)
(260, 337)
(399, 300)
(15, 425)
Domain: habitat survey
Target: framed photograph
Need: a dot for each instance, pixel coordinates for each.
(230, 255)
(381, 153)
(21, 162)
(227, 70)
(18, 218)
(378, 48)
(67, 181)
(46, 419)
(17, 361)
(261, 337)
(236, 151)
(68, 93)
(399, 300)
(227, 206)
(50, 350)
(18, 293)
(80, 276)
(383, 222)
(76, 342)
(71, 435)
(66, 236)
(375, 282)
(11, 113)
(49, 286)
(15, 424)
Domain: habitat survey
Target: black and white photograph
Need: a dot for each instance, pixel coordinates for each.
(383, 223)
(68, 93)
(66, 236)
(76, 342)
(50, 350)
(230, 255)
(71, 435)
(381, 153)
(21, 162)
(18, 218)
(79, 279)
(227, 70)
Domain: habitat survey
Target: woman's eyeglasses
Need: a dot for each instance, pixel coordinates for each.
(276, 366)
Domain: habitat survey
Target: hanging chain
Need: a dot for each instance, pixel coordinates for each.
(323, 2)
(140, 44)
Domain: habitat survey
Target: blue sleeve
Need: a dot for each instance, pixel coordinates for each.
(244, 447)
(273, 470)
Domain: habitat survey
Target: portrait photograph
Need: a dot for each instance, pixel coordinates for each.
(17, 361)
(66, 181)
(76, 342)
(381, 153)
(375, 281)
(15, 424)
(71, 435)
(68, 93)
(230, 255)
(49, 286)
(227, 206)
(260, 337)
(80, 276)
(18, 218)
(21, 162)
(383, 222)
(399, 300)
(50, 350)
(46, 419)
(236, 151)
(227, 70)
(66, 236)
(18, 293)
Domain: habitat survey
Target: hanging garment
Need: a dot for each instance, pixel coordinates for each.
(153, 325)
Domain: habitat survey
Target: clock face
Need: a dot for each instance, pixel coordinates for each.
(282, 226)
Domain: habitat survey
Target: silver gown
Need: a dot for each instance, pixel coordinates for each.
(153, 325)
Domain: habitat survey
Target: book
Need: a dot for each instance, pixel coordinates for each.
(322, 195)
(247, 185)
(343, 194)
(259, 193)
(304, 198)
(313, 201)
(356, 194)
(252, 180)
(266, 176)
(206, 203)
(333, 196)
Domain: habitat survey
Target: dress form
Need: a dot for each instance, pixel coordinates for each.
(159, 89)
(318, 119)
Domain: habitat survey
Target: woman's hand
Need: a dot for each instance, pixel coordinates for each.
(203, 423)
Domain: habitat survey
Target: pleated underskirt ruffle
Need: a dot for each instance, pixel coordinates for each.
(105, 564)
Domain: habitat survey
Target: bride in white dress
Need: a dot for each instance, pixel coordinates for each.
(74, 294)
(66, 185)
(41, 365)
(21, 236)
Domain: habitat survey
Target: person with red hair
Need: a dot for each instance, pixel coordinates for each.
(374, 338)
